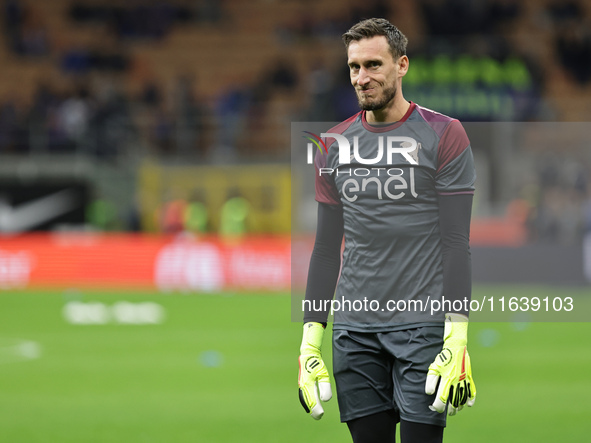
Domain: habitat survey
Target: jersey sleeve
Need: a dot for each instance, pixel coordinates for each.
(454, 224)
(325, 263)
(326, 190)
(455, 164)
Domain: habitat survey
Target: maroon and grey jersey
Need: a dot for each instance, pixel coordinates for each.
(387, 179)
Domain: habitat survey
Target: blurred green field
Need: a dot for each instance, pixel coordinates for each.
(223, 368)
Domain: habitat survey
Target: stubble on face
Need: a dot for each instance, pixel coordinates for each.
(367, 103)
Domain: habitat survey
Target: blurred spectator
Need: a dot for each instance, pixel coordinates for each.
(319, 84)
(231, 111)
(113, 125)
(234, 216)
(74, 114)
(10, 128)
(343, 96)
(189, 117)
(573, 44)
(76, 60)
(14, 14)
(151, 94)
(162, 131)
(34, 35)
(105, 54)
(172, 216)
(332, 98)
(102, 215)
(283, 75)
(103, 59)
(25, 30)
(151, 20)
(196, 215)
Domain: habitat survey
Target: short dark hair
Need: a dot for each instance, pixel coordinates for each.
(372, 27)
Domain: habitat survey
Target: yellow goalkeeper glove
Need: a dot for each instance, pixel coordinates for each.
(313, 376)
(452, 369)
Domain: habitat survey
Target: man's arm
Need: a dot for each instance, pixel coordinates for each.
(451, 371)
(454, 224)
(325, 263)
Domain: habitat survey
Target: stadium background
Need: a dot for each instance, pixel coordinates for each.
(147, 205)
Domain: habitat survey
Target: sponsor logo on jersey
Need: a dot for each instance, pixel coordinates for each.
(387, 147)
(389, 182)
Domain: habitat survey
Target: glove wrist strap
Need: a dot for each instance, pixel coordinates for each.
(456, 329)
(312, 338)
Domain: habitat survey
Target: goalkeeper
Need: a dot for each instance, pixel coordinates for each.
(402, 203)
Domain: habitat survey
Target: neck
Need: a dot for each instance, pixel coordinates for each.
(392, 112)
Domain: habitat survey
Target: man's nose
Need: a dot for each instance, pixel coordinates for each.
(363, 78)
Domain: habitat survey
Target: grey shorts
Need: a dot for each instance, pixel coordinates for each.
(378, 371)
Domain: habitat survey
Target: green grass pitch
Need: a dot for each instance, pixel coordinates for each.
(223, 368)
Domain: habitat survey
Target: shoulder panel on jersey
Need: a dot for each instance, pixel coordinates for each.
(324, 185)
(451, 145)
(341, 127)
(436, 120)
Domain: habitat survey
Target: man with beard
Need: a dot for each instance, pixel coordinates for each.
(397, 181)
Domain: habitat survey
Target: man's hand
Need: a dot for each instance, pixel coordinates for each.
(452, 369)
(313, 376)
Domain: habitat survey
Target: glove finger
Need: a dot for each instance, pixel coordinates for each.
(459, 396)
(325, 390)
(309, 399)
(470, 380)
(451, 410)
(303, 400)
(471, 389)
(431, 383)
(308, 395)
(441, 397)
(437, 406)
(317, 411)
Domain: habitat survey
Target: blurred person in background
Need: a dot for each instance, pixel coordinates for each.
(196, 215)
(102, 215)
(171, 215)
(406, 239)
(234, 216)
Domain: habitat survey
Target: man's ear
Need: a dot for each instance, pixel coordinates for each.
(402, 65)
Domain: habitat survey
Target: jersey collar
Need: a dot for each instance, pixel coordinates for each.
(388, 127)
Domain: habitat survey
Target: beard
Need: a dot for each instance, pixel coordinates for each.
(376, 103)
